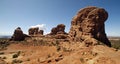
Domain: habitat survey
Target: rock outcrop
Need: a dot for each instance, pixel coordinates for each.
(18, 35)
(89, 23)
(41, 32)
(59, 32)
(35, 31)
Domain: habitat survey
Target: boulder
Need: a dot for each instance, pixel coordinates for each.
(89, 22)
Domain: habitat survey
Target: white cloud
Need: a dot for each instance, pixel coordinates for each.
(40, 26)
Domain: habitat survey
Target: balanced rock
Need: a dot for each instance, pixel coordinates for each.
(35, 31)
(89, 23)
(18, 35)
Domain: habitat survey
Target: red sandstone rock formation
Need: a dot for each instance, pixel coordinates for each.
(41, 32)
(35, 31)
(18, 35)
(89, 23)
(58, 30)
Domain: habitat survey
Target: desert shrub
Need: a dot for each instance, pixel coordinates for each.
(57, 42)
(48, 56)
(40, 42)
(23, 42)
(3, 44)
(100, 43)
(58, 48)
(16, 61)
(66, 50)
(53, 44)
(82, 60)
(28, 59)
(115, 44)
(43, 42)
(1, 53)
(17, 54)
(4, 57)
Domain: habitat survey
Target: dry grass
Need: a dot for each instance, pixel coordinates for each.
(115, 43)
(3, 43)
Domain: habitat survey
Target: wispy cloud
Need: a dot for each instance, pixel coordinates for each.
(40, 26)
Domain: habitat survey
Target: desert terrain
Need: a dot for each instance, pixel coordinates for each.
(58, 53)
(86, 43)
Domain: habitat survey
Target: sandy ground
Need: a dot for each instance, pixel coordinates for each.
(65, 53)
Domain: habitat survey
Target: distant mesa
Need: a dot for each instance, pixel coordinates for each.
(6, 36)
(87, 27)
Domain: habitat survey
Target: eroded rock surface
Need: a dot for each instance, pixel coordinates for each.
(89, 23)
(18, 35)
(41, 32)
(35, 31)
(59, 32)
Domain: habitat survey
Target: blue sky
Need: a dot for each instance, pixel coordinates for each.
(27, 13)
